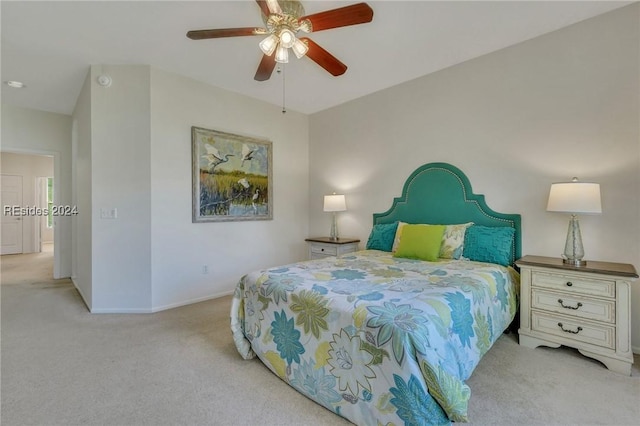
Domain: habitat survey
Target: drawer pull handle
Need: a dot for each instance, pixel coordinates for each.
(560, 301)
(569, 331)
(569, 283)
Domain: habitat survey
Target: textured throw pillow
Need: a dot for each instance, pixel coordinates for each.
(489, 244)
(453, 241)
(381, 237)
(396, 239)
(420, 242)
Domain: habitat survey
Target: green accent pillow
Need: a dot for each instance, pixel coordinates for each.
(420, 242)
(489, 244)
(381, 237)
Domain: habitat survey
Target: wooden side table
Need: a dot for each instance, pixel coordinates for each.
(320, 247)
(586, 307)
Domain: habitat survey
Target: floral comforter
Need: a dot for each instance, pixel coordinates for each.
(374, 338)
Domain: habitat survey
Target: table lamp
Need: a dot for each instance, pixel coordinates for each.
(334, 203)
(574, 197)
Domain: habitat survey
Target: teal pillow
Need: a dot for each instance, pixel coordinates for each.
(420, 242)
(381, 237)
(489, 244)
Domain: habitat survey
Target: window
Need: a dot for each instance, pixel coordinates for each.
(50, 202)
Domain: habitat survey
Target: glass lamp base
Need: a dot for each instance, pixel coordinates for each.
(334, 228)
(574, 262)
(573, 249)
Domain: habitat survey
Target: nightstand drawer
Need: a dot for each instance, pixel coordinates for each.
(321, 247)
(567, 328)
(574, 283)
(325, 250)
(569, 304)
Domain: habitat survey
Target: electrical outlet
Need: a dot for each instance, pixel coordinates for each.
(205, 269)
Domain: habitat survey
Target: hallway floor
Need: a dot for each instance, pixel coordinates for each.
(29, 268)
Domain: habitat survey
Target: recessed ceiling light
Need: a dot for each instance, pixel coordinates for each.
(15, 84)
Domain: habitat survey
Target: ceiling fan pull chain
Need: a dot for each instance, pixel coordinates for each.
(284, 110)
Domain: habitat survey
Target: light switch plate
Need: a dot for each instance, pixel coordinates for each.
(109, 213)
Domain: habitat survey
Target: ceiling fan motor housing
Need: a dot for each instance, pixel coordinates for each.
(289, 7)
(287, 20)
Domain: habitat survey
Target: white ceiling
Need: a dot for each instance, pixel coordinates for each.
(49, 45)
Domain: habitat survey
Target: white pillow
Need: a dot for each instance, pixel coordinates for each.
(453, 241)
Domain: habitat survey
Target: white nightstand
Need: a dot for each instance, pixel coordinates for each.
(586, 307)
(320, 247)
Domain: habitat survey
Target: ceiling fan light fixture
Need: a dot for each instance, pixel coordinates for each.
(287, 38)
(300, 48)
(282, 55)
(283, 20)
(269, 44)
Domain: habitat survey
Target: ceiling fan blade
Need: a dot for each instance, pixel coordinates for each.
(323, 58)
(265, 69)
(264, 7)
(274, 7)
(225, 32)
(344, 16)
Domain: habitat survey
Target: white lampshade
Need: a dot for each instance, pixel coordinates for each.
(269, 44)
(335, 203)
(282, 54)
(574, 197)
(300, 48)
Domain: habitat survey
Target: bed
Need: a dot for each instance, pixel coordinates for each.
(383, 336)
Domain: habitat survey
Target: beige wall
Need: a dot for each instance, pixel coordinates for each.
(81, 193)
(132, 145)
(121, 180)
(181, 248)
(562, 105)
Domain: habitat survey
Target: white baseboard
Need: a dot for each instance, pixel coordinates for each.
(191, 301)
(635, 350)
(147, 310)
(84, 299)
(121, 311)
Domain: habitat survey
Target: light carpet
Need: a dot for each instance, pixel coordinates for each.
(62, 365)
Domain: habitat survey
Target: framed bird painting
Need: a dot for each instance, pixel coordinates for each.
(232, 177)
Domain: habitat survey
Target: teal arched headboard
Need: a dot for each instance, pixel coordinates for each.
(440, 193)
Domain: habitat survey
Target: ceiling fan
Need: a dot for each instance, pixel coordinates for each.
(283, 20)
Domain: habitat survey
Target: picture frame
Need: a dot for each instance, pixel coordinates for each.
(232, 177)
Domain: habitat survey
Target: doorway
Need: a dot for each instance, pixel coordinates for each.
(31, 228)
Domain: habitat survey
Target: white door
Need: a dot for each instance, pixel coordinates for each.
(11, 196)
